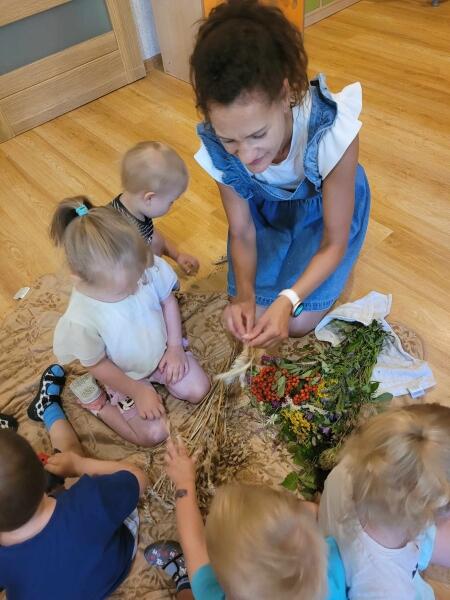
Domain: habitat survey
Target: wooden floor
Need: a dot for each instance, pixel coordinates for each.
(398, 49)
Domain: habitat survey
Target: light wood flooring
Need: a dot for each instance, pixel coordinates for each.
(398, 49)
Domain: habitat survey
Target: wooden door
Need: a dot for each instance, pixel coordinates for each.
(58, 54)
(293, 9)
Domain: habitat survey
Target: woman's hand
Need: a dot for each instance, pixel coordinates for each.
(174, 364)
(180, 467)
(239, 317)
(148, 402)
(272, 326)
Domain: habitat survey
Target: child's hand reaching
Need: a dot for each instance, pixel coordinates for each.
(180, 467)
(148, 402)
(64, 464)
(174, 364)
(188, 263)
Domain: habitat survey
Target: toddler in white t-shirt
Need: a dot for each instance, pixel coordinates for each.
(122, 322)
(387, 503)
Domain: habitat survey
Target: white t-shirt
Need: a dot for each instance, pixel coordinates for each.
(335, 141)
(132, 332)
(373, 572)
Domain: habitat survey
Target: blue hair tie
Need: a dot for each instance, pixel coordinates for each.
(82, 210)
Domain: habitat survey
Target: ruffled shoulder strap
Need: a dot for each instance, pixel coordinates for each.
(323, 115)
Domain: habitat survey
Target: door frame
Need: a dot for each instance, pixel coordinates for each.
(51, 86)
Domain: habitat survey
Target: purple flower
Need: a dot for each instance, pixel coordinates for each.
(326, 430)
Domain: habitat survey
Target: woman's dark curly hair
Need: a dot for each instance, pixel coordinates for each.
(245, 46)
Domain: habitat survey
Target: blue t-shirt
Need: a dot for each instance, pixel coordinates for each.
(84, 551)
(206, 587)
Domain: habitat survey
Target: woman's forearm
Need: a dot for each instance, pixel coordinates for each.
(321, 266)
(243, 257)
(191, 530)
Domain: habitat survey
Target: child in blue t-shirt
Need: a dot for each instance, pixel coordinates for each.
(74, 543)
(258, 543)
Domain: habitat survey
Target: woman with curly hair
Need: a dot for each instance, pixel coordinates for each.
(284, 153)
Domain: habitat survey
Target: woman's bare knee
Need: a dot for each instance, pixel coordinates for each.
(306, 322)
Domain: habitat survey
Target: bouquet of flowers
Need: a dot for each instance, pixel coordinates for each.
(316, 400)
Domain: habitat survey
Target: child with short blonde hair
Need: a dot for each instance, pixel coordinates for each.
(258, 542)
(153, 177)
(122, 322)
(383, 501)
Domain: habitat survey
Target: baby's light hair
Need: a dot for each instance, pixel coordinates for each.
(400, 465)
(263, 544)
(152, 167)
(98, 241)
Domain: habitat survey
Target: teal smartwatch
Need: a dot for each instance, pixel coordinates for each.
(297, 304)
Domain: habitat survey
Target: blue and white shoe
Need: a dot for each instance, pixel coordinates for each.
(8, 422)
(50, 389)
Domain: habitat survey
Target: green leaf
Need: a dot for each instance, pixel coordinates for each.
(383, 397)
(307, 373)
(374, 385)
(281, 385)
(291, 481)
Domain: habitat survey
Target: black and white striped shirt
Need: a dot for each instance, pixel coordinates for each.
(144, 227)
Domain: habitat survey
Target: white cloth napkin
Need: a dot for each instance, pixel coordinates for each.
(396, 371)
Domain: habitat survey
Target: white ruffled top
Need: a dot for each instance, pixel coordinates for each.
(335, 141)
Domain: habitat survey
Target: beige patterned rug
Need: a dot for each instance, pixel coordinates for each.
(250, 454)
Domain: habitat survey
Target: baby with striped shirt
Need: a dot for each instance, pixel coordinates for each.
(153, 177)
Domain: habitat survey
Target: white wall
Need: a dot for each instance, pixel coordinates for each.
(145, 22)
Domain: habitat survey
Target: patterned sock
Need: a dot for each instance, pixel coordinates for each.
(52, 413)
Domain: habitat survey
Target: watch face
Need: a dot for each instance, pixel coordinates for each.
(298, 310)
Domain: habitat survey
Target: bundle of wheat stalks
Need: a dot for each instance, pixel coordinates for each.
(219, 450)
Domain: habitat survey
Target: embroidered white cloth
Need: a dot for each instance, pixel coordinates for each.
(396, 371)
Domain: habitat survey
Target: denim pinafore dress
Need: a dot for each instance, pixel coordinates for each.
(289, 225)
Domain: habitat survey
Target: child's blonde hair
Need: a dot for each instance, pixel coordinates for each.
(263, 544)
(400, 465)
(97, 242)
(152, 167)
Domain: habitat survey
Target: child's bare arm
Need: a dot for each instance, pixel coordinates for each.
(174, 363)
(69, 464)
(148, 402)
(161, 246)
(181, 469)
(172, 318)
(441, 550)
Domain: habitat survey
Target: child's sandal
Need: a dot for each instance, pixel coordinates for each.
(169, 557)
(50, 388)
(8, 422)
(53, 374)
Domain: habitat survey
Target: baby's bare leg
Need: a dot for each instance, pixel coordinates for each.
(64, 438)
